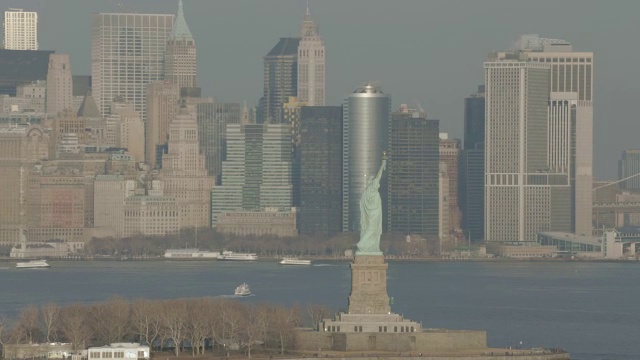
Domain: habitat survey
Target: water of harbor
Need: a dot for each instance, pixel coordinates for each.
(589, 309)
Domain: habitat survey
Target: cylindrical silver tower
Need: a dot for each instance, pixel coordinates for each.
(367, 113)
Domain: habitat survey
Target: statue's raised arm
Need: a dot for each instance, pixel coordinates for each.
(383, 166)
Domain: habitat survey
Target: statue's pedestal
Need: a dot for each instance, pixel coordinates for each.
(369, 310)
(369, 324)
(369, 285)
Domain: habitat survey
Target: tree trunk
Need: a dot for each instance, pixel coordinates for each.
(281, 344)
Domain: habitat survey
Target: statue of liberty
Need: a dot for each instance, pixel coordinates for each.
(371, 215)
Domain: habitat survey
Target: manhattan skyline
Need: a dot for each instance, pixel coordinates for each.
(422, 51)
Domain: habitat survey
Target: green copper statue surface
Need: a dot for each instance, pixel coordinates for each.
(371, 215)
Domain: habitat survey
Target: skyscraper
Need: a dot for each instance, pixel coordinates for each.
(127, 53)
(162, 107)
(570, 118)
(257, 172)
(20, 29)
(474, 119)
(280, 78)
(366, 125)
(183, 171)
(56, 206)
(213, 118)
(130, 131)
(59, 84)
(22, 67)
(180, 58)
(629, 165)
(20, 147)
(450, 155)
(471, 193)
(311, 60)
(109, 194)
(291, 112)
(320, 170)
(152, 215)
(443, 204)
(522, 195)
(413, 174)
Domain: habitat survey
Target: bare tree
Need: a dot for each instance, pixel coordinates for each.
(318, 313)
(111, 320)
(254, 327)
(197, 326)
(50, 315)
(174, 318)
(283, 323)
(146, 320)
(3, 335)
(75, 325)
(26, 327)
(215, 324)
(232, 314)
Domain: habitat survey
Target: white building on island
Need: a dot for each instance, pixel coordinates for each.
(116, 351)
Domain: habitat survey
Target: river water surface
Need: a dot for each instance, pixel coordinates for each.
(589, 309)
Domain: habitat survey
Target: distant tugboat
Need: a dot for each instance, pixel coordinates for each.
(33, 264)
(243, 290)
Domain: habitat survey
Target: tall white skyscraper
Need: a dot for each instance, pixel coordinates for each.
(522, 195)
(570, 118)
(20, 29)
(127, 53)
(311, 63)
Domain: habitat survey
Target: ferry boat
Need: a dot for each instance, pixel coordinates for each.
(243, 290)
(294, 261)
(33, 264)
(230, 255)
(188, 254)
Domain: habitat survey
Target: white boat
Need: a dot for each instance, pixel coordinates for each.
(185, 254)
(294, 261)
(243, 290)
(230, 255)
(33, 264)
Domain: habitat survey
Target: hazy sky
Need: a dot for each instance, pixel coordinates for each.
(427, 51)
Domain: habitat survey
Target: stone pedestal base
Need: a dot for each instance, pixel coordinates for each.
(459, 342)
(369, 285)
(370, 323)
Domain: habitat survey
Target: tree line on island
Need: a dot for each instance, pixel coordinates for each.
(139, 246)
(195, 325)
(394, 244)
